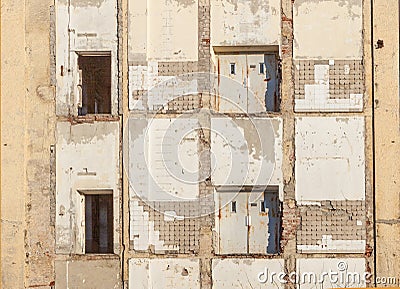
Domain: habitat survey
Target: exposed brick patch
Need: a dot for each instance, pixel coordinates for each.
(290, 222)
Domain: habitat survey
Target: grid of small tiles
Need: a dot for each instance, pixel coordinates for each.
(345, 77)
(344, 220)
(183, 233)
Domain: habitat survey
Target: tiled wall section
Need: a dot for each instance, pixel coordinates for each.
(332, 226)
(328, 85)
(176, 67)
(167, 86)
(163, 233)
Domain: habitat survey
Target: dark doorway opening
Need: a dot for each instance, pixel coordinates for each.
(95, 82)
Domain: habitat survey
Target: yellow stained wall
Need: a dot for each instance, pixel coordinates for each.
(387, 138)
(12, 143)
(27, 103)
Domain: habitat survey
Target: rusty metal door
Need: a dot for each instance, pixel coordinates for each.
(257, 83)
(232, 83)
(258, 225)
(232, 223)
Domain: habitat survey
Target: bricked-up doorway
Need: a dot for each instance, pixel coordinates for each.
(99, 223)
(95, 82)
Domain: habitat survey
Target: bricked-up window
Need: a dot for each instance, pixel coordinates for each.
(95, 82)
(99, 223)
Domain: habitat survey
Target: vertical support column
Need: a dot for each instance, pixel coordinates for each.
(385, 55)
(205, 188)
(290, 219)
(369, 155)
(123, 12)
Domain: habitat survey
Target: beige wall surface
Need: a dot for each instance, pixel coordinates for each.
(12, 143)
(387, 137)
(27, 134)
(327, 29)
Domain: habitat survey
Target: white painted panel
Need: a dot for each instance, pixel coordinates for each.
(164, 273)
(327, 244)
(64, 80)
(137, 30)
(163, 158)
(94, 18)
(330, 158)
(172, 29)
(158, 90)
(338, 34)
(244, 273)
(246, 151)
(245, 22)
(344, 273)
(83, 26)
(87, 158)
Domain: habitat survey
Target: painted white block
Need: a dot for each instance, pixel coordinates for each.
(87, 158)
(338, 34)
(83, 27)
(246, 151)
(158, 90)
(245, 22)
(317, 98)
(175, 273)
(163, 158)
(330, 161)
(245, 273)
(172, 30)
(348, 272)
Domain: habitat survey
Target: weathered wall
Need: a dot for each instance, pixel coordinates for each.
(348, 272)
(326, 76)
(328, 56)
(252, 144)
(87, 159)
(330, 158)
(164, 273)
(103, 272)
(12, 143)
(165, 46)
(83, 26)
(243, 273)
(338, 34)
(27, 135)
(387, 137)
(245, 22)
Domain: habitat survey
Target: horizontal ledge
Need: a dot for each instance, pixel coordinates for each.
(246, 49)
